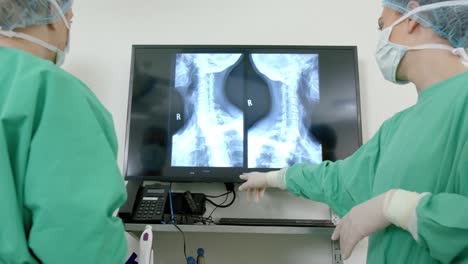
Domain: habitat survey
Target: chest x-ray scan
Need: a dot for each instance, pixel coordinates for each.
(245, 110)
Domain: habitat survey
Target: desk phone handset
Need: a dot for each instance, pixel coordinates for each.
(144, 204)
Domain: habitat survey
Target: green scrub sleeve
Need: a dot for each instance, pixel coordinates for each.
(73, 185)
(442, 219)
(341, 184)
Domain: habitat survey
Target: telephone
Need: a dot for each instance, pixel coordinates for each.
(149, 204)
(144, 204)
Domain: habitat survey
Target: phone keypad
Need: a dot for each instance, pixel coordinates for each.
(150, 208)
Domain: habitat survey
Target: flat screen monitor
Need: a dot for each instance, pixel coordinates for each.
(211, 113)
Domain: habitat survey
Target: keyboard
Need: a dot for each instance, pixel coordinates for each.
(274, 222)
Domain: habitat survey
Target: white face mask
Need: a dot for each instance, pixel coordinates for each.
(60, 54)
(389, 55)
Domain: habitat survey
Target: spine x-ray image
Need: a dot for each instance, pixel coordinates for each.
(213, 133)
(244, 110)
(281, 138)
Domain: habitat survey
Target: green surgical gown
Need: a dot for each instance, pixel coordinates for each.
(59, 180)
(422, 149)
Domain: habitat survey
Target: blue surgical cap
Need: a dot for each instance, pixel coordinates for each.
(450, 23)
(23, 13)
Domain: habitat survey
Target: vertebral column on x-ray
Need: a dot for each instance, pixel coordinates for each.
(213, 134)
(281, 138)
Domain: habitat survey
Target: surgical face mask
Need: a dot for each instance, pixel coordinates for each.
(389, 55)
(60, 54)
(60, 59)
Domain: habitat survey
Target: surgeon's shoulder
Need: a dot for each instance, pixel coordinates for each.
(64, 83)
(58, 84)
(460, 87)
(58, 80)
(390, 125)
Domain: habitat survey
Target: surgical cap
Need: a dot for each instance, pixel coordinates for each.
(450, 23)
(23, 13)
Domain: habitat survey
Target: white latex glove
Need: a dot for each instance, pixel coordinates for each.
(396, 207)
(360, 222)
(257, 182)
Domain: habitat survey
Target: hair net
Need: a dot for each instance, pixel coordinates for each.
(450, 23)
(23, 13)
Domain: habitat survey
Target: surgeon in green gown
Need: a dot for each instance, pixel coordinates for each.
(59, 180)
(408, 186)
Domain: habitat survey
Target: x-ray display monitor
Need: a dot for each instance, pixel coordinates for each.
(211, 113)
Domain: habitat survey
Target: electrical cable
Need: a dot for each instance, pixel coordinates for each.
(221, 205)
(218, 196)
(170, 203)
(209, 219)
(173, 221)
(185, 241)
(216, 207)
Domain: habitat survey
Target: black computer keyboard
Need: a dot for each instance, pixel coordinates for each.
(274, 222)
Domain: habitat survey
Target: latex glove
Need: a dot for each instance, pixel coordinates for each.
(360, 222)
(257, 182)
(396, 207)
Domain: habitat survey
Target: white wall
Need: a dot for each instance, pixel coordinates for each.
(104, 30)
